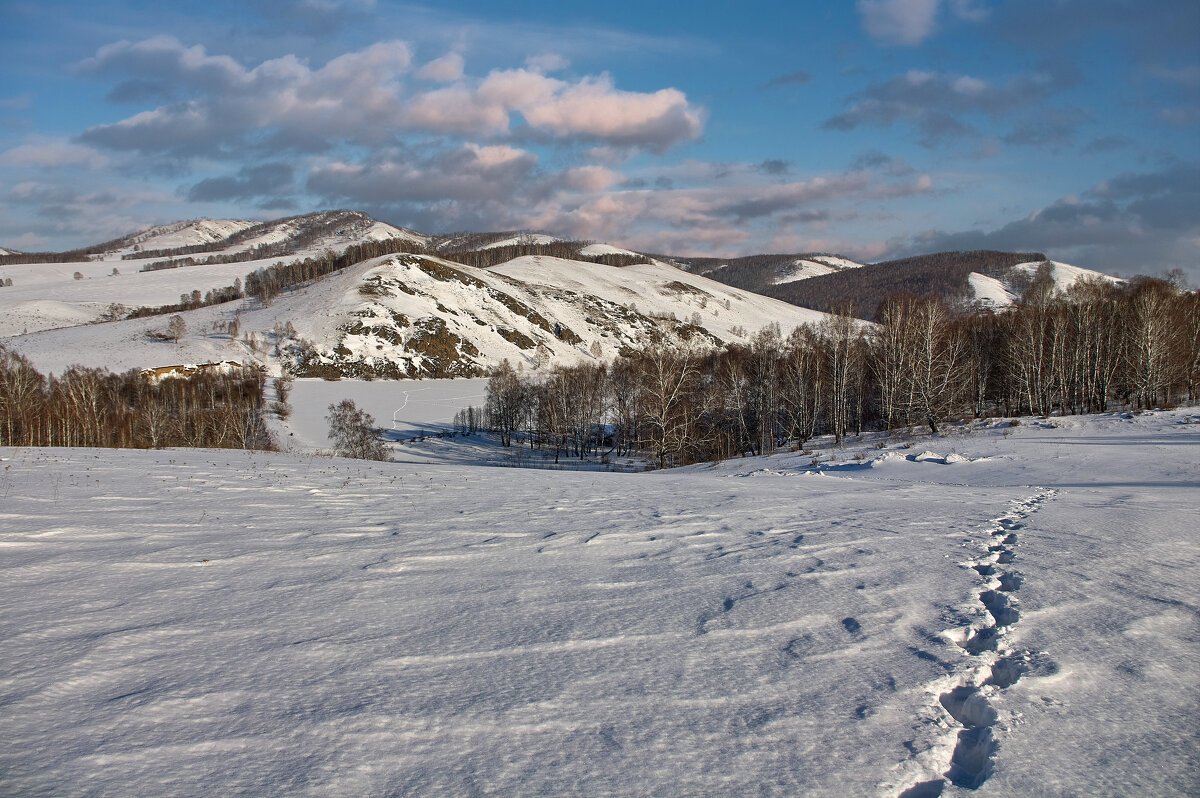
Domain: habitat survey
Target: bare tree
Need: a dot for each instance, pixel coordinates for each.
(507, 402)
(668, 377)
(841, 343)
(353, 432)
(176, 328)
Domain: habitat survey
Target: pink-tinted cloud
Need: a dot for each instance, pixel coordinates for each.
(366, 98)
(443, 70)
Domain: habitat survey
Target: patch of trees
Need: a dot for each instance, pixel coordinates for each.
(752, 273)
(190, 301)
(94, 407)
(70, 256)
(943, 274)
(1092, 349)
(267, 283)
(567, 250)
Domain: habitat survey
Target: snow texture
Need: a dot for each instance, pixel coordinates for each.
(1000, 611)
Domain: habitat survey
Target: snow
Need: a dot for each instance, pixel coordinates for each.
(1064, 275)
(802, 270)
(814, 266)
(989, 291)
(46, 313)
(184, 234)
(267, 623)
(836, 262)
(593, 250)
(654, 288)
(524, 239)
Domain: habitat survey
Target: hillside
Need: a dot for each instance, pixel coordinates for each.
(759, 273)
(452, 305)
(831, 283)
(391, 315)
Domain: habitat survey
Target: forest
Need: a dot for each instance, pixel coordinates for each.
(94, 407)
(1091, 349)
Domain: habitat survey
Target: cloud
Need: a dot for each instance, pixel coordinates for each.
(467, 174)
(29, 241)
(1145, 33)
(350, 98)
(1107, 144)
(797, 78)
(318, 18)
(874, 160)
(931, 101)
(1049, 128)
(504, 187)
(547, 62)
(1135, 223)
(362, 98)
(910, 22)
(267, 180)
(902, 22)
(17, 102)
(594, 108)
(694, 219)
(590, 179)
(70, 216)
(443, 70)
(47, 152)
(140, 91)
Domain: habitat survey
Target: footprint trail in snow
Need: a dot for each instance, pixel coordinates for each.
(992, 667)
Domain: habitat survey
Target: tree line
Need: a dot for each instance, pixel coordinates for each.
(568, 250)
(94, 407)
(1094, 348)
(266, 283)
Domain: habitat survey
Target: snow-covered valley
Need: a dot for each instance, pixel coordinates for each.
(223, 622)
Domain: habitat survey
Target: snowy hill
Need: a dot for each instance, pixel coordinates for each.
(183, 234)
(419, 315)
(1004, 288)
(306, 234)
(391, 316)
(759, 273)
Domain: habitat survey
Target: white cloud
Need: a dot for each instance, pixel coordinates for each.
(547, 62)
(910, 22)
(595, 108)
(443, 70)
(29, 241)
(903, 22)
(53, 152)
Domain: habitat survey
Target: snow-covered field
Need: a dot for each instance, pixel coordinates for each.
(225, 623)
(400, 407)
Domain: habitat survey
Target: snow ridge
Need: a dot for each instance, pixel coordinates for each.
(994, 667)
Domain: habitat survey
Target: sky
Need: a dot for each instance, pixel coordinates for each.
(874, 129)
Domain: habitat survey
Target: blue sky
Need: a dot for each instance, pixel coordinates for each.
(875, 129)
